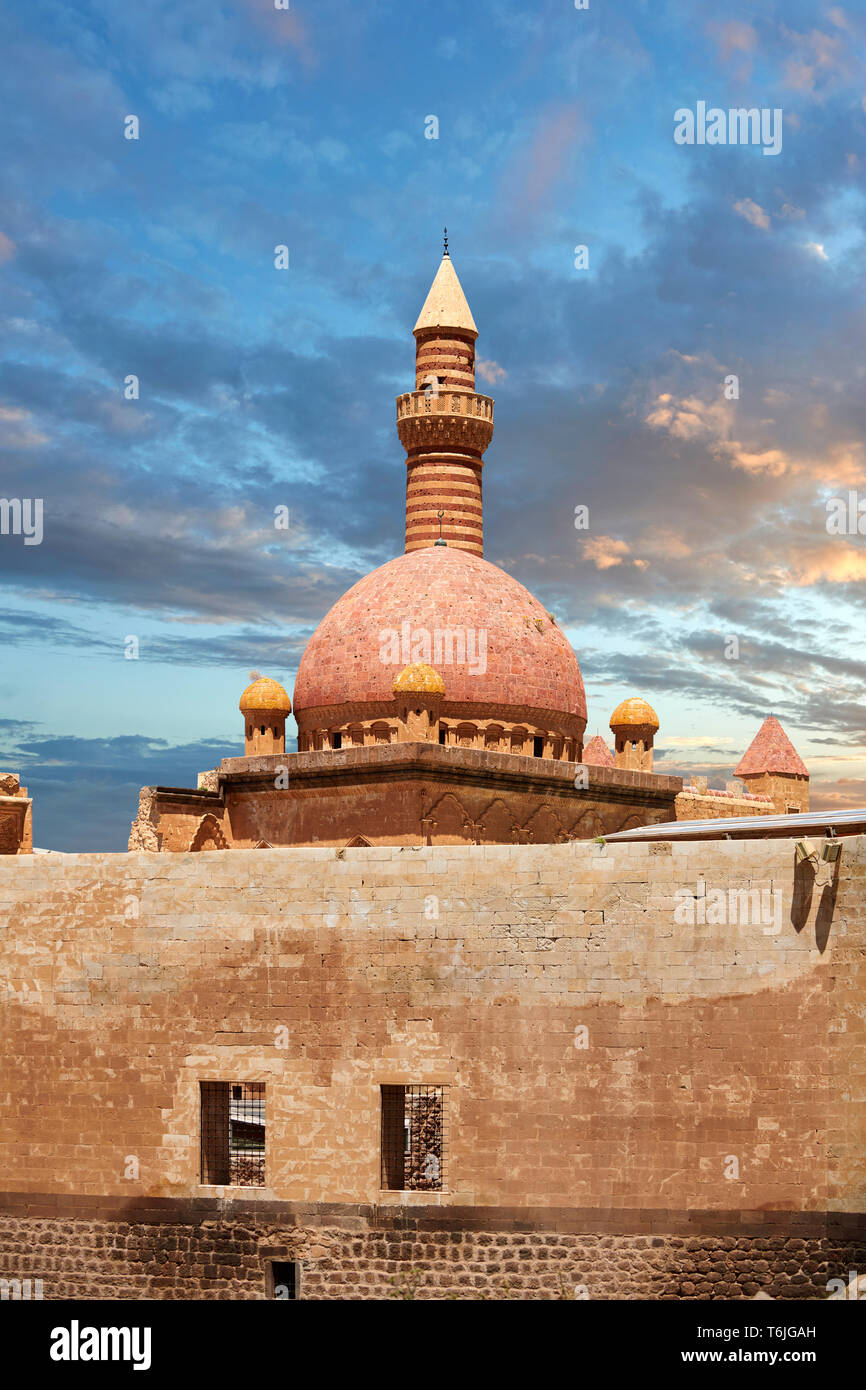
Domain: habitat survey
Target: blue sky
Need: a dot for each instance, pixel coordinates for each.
(261, 387)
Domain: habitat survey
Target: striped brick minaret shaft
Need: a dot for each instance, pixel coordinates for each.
(444, 425)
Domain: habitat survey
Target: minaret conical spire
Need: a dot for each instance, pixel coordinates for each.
(446, 305)
(444, 425)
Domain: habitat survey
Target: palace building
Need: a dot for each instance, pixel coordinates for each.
(454, 1036)
(438, 702)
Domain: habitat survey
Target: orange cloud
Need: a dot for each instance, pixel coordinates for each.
(834, 562)
(753, 212)
(605, 552)
(691, 418)
(772, 461)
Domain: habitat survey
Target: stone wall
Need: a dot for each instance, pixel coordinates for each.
(699, 802)
(362, 1253)
(787, 792)
(400, 794)
(622, 1040)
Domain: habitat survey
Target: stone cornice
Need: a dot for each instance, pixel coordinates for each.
(433, 762)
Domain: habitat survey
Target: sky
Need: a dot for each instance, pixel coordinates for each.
(258, 387)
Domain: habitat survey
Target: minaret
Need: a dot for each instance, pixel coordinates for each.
(443, 424)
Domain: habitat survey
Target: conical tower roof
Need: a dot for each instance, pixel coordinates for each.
(597, 753)
(771, 751)
(446, 305)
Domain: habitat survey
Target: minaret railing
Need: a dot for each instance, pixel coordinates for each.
(445, 403)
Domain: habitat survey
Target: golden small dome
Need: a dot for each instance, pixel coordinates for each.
(634, 713)
(418, 679)
(265, 694)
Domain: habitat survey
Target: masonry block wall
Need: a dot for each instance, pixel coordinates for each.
(694, 803)
(648, 1044)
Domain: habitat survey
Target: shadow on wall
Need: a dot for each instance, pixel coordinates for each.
(806, 881)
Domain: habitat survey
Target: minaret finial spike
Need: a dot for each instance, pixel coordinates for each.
(446, 243)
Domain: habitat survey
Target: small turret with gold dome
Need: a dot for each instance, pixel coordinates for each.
(418, 678)
(634, 724)
(419, 691)
(264, 705)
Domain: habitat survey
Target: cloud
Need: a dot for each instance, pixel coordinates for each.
(15, 431)
(752, 213)
(734, 37)
(605, 552)
(281, 25)
(85, 791)
(820, 63)
(691, 418)
(665, 542)
(846, 794)
(816, 249)
(703, 742)
(539, 164)
(835, 562)
(772, 461)
(490, 371)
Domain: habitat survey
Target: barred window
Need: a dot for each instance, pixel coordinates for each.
(413, 1138)
(233, 1133)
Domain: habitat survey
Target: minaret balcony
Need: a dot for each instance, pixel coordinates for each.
(426, 419)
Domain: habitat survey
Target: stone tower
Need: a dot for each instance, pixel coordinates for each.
(634, 724)
(444, 425)
(771, 766)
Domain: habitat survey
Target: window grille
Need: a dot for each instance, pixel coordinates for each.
(233, 1133)
(413, 1138)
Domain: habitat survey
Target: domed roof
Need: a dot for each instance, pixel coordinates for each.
(265, 694)
(515, 654)
(418, 679)
(634, 713)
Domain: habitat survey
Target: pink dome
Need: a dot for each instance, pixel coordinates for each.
(528, 667)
